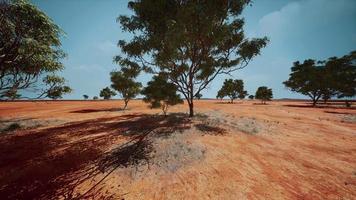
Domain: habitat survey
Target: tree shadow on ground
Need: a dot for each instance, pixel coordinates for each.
(263, 104)
(226, 102)
(320, 106)
(98, 110)
(341, 113)
(209, 129)
(51, 163)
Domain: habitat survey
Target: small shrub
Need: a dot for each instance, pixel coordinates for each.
(12, 127)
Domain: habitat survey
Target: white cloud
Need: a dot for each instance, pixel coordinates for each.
(301, 17)
(107, 46)
(90, 67)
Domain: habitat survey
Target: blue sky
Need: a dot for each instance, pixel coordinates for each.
(297, 29)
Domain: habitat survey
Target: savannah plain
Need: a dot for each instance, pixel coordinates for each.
(93, 150)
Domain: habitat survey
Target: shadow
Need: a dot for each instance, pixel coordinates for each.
(319, 106)
(98, 110)
(225, 102)
(333, 112)
(260, 104)
(208, 129)
(51, 163)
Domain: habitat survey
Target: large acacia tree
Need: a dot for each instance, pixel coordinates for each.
(30, 53)
(324, 79)
(233, 89)
(192, 42)
(307, 78)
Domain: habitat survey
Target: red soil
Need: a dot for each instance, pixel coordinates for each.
(102, 153)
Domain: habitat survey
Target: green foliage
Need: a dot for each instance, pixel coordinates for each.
(56, 88)
(123, 81)
(324, 79)
(264, 94)
(85, 96)
(307, 78)
(95, 98)
(342, 75)
(233, 89)
(160, 93)
(191, 42)
(198, 96)
(242, 95)
(107, 93)
(251, 97)
(29, 49)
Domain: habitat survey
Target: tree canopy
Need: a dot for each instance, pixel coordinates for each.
(233, 89)
(107, 93)
(264, 94)
(85, 96)
(30, 52)
(161, 93)
(324, 79)
(192, 42)
(124, 83)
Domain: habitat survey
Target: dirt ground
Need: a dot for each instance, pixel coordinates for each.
(94, 150)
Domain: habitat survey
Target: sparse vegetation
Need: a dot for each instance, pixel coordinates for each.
(264, 94)
(192, 48)
(198, 96)
(11, 127)
(324, 79)
(107, 93)
(160, 93)
(233, 89)
(124, 83)
(85, 96)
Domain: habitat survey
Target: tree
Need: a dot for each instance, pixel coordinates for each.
(30, 52)
(192, 42)
(233, 89)
(107, 93)
(220, 95)
(242, 95)
(198, 96)
(85, 96)
(307, 78)
(264, 94)
(324, 79)
(251, 97)
(161, 93)
(342, 75)
(95, 98)
(123, 81)
(55, 91)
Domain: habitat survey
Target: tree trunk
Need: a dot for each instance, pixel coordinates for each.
(314, 102)
(191, 109)
(126, 101)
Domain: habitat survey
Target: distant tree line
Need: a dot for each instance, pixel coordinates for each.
(235, 89)
(334, 77)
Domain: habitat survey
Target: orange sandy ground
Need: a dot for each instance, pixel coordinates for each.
(306, 153)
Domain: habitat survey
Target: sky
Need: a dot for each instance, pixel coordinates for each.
(297, 29)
